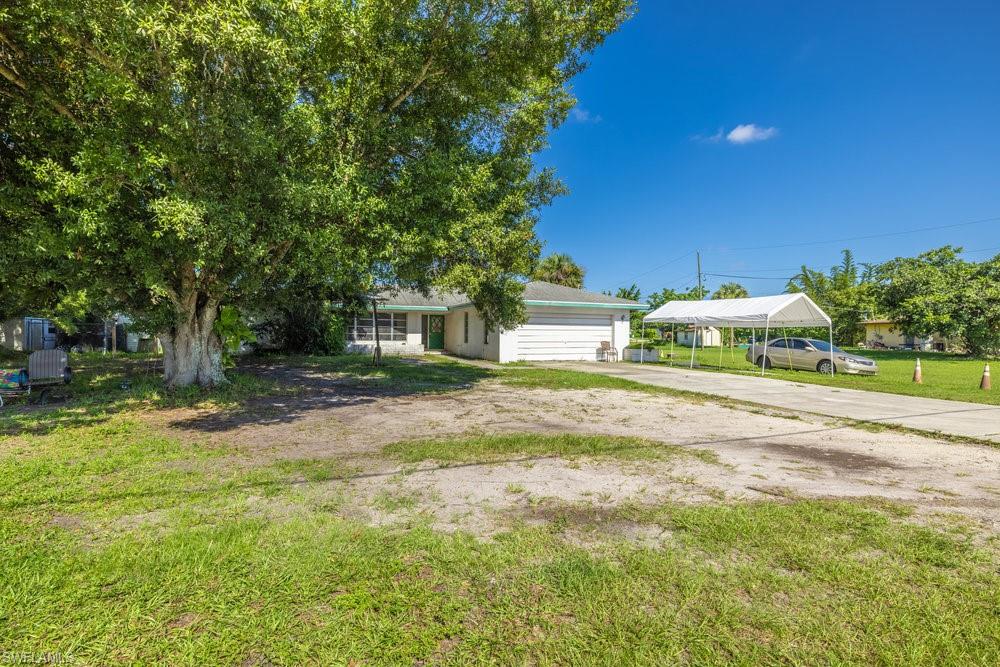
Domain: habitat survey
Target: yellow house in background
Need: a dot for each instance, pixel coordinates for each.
(881, 332)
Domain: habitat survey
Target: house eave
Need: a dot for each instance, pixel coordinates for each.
(586, 304)
(527, 302)
(431, 309)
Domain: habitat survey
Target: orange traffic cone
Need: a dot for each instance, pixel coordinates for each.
(918, 377)
(985, 382)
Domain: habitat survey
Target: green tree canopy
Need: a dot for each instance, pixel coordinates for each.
(631, 292)
(178, 156)
(731, 291)
(938, 291)
(847, 293)
(657, 299)
(559, 268)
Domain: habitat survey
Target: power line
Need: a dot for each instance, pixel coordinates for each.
(813, 243)
(729, 275)
(799, 268)
(657, 268)
(865, 237)
(981, 250)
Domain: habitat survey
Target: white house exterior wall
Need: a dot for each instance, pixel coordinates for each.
(507, 346)
(454, 334)
(622, 326)
(551, 333)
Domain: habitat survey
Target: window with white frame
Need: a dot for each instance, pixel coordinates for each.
(391, 327)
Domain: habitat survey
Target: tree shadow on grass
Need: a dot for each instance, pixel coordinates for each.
(329, 383)
(262, 391)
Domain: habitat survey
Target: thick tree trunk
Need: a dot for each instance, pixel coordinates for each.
(192, 351)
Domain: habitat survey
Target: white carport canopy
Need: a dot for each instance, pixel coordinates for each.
(781, 310)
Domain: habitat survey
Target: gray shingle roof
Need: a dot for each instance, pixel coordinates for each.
(434, 298)
(536, 290)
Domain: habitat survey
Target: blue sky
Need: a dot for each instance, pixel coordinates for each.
(723, 126)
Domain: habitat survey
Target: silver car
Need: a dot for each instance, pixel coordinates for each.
(809, 354)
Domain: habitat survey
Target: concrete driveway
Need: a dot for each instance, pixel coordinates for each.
(928, 414)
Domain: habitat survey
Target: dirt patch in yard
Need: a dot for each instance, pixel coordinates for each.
(835, 458)
(758, 451)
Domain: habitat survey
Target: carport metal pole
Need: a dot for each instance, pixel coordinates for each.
(721, 346)
(788, 350)
(673, 327)
(694, 345)
(763, 358)
(831, 347)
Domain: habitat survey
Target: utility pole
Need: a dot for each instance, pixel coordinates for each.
(698, 258)
(694, 343)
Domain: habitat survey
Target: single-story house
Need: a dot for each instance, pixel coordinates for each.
(25, 334)
(563, 323)
(881, 332)
(705, 336)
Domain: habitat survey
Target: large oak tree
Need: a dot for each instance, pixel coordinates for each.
(172, 156)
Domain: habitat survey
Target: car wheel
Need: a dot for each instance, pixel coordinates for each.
(762, 360)
(824, 367)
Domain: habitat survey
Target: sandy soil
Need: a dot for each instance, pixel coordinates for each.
(762, 454)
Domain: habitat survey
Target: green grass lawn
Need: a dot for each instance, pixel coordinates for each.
(499, 447)
(104, 385)
(946, 376)
(119, 544)
(124, 543)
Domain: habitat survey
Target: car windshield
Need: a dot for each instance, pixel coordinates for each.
(823, 346)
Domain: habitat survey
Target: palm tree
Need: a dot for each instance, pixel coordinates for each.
(846, 293)
(559, 268)
(731, 291)
(632, 292)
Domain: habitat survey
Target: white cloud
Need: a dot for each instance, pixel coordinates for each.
(750, 133)
(581, 115)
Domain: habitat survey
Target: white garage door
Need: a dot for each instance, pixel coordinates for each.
(562, 337)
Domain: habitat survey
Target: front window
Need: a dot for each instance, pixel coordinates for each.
(823, 346)
(391, 327)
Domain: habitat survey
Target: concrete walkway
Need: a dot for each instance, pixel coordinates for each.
(927, 414)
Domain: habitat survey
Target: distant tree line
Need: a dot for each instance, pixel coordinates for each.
(934, 292)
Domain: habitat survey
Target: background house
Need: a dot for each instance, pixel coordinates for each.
(563, 323)
(880, 332)
(705, 336)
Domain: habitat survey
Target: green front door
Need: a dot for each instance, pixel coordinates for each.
(435, 332)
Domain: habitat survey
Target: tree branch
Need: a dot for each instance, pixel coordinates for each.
(11, 45)
(92, 51)
(60, 108)
(425, 72)
(409, 90)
